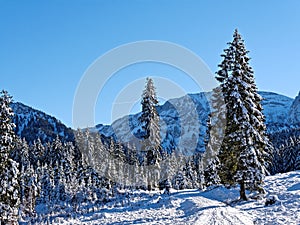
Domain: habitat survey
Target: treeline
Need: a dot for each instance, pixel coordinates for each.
(77, 178)
(40, 180)
(62, 177)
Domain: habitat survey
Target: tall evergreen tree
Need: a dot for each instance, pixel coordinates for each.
(244, 153)
(100, 154)
(9, 188)
(56, 150)
(37, 151)
(151, 142)
(150, 124)
(210, 160)
(29, 191)
(20, 153)
(68, 161)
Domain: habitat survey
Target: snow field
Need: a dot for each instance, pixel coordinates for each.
(218, 206)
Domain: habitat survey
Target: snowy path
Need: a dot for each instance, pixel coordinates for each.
(186, 207)
(200, 210)
(190, 207)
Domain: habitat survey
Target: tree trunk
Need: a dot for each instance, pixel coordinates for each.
(243, 191)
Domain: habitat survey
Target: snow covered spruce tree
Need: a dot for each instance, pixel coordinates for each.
(150, 132)
(245, 151)
(210, 161)
(9, 188)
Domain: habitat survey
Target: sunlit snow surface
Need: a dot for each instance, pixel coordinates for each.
(217, 206)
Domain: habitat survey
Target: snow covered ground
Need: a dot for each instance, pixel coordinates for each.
(217, 206)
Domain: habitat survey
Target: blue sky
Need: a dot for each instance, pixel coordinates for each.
(46, 46)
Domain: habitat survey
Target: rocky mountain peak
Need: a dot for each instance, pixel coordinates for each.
(294, 114)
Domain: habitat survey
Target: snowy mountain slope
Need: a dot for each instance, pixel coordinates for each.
(294, 113)
(276, 107)
(183, 121)
(32, 124)
(197, 207)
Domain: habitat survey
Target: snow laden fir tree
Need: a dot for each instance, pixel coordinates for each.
(9, 187)
(245, 152)
(151, 142)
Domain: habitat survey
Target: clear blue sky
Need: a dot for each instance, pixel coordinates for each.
(47, 45)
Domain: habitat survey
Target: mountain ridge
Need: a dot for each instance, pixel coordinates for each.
(179, 128)
(176, 134)
(33, 124)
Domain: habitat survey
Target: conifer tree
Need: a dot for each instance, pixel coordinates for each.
(291, 155)
(119, 163)
(151, 142)
(68, 160)
(100, 155)
(211, 172)
(245, 150)
(150, 124)
(38, 150)
(190, 174)
(9, 188)
(20, 153)
(56, 150)
(210, 160)
(30, 191)
(131, 155)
